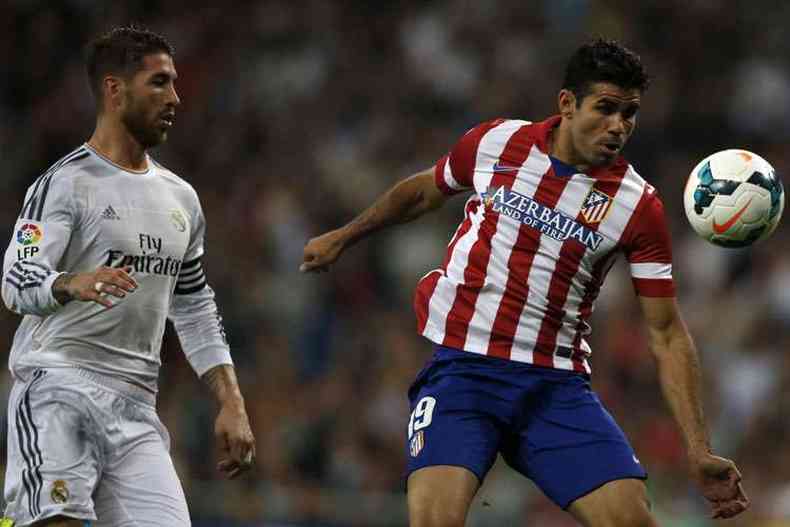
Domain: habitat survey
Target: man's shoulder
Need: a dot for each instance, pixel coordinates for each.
(493, 133)
(633, 180)
(169, 176)
(72, 162)
(501, 123)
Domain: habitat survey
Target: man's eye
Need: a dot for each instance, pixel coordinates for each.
(629, 113)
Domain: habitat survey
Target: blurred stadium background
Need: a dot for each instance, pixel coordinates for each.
(297, 113)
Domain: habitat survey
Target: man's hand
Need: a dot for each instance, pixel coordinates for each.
(235, 440)
(720, 483)
(322, 251)
(94, 286)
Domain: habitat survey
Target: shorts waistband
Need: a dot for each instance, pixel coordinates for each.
(138, 393)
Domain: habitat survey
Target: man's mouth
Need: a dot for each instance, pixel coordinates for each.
(167, 119)
(611, 147)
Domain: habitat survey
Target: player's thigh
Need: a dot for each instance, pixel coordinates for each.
(139, 485)
(569, 445)
(440, 496)
(451, 445)
(53, 455)
(620, 503)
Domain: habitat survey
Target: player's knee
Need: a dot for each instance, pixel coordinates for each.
(636, 515)
(634, 512)
(59, 521)
(429, 510)
(435, 516)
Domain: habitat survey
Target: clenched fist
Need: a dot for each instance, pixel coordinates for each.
(322, 251)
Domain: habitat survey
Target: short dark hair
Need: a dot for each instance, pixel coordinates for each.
(120, 51)
(603, 60)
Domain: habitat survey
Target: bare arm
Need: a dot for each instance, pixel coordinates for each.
(232, 427)
(223, 383)
(407, 200)
(678, 370)
(679, 375)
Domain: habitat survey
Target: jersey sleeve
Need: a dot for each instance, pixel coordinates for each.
(455, 171)
(39, 239)
(193, 309)
(649, 248)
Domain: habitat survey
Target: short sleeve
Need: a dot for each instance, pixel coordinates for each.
(648, 248)
(454, 172)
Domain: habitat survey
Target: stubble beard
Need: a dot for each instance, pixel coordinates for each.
(144, 132)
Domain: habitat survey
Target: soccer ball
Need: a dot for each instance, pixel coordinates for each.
(733, 198)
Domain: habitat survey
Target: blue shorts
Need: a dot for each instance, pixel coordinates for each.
(547, 424)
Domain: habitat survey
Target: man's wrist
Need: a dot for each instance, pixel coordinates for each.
(698, 451)
(234, 403)
(60, 288)
(348, 235)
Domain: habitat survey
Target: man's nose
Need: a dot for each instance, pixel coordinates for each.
(174, 99)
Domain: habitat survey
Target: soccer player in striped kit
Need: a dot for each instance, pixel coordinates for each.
(552, 205)
(107, 247)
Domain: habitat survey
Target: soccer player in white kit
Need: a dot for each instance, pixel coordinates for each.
(107, 247)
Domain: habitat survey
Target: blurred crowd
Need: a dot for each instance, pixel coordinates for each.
(295, 115)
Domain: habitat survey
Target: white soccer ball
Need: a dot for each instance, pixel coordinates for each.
(733, 198)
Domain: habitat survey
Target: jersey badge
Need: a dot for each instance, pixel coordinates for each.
(596, 206)
(29, 234)
(110, 214)
(178, 220)
(416, 444)
(60, 492)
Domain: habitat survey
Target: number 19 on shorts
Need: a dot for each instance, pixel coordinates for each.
(422, 415)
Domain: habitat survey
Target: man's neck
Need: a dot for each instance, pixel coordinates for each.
(113, 141)
(560, 147)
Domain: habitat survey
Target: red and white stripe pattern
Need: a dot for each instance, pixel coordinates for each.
(509, 289)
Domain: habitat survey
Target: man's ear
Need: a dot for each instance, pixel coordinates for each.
(113, 89)
(566, 100)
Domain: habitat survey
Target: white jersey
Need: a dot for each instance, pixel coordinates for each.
(86, 212)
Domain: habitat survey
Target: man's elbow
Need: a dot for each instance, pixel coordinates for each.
(665, 342)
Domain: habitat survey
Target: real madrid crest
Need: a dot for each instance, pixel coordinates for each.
(60, 492)
(178, 220)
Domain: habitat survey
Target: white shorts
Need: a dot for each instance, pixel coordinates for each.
(88, 446)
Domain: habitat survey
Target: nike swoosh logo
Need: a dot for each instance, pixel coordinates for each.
(724, 227)
(746, 156)
(505, 168)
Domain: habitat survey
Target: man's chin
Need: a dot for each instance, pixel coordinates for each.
(154, 140)
(604, 159)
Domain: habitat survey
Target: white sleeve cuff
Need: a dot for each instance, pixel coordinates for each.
(49, 304)
(206, 358)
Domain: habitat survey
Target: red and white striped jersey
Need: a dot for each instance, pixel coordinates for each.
(524, 268)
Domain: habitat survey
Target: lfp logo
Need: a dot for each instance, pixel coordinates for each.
(28, 236)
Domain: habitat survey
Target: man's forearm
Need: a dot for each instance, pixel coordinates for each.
(679, 374)
(223, 383)
(404, 202)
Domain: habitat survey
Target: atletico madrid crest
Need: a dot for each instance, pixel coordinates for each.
(416, 444)
(596, 206)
